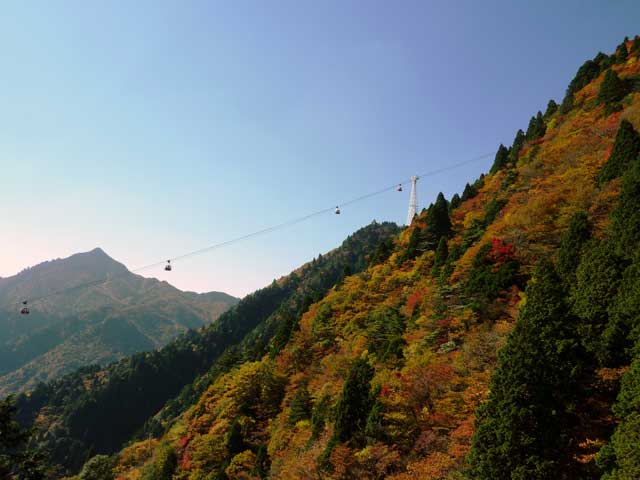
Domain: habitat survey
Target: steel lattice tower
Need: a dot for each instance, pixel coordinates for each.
(413, 201)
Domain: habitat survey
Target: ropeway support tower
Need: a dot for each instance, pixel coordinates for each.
(413, 200)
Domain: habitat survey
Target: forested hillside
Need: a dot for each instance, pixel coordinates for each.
(496, 337)
(96, 410)
(89, 310)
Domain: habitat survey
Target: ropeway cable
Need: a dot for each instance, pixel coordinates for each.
(263, 231)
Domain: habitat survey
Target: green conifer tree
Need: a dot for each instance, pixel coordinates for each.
(319, 415)
(384, 331)
(300, 408)
(597, 280)
(612, 89)
(468, 192)
(625, 218)
(635, 48)
(438, 223)
(502, 157)
(626, 148)
(521, 428)
(518, 142)
(235, 440)
(623, 329)
(383, 251)
(621, 53)
(567, 103)
(541, 128)
(587, 72)
(163, 466)
(261, 467)
(536, 128)
(413, 246)
(571, 245)
(17, 462)
(288, 323)
(374, 428)
(455, 202)
(442, 252)
(552, 107)
(99, 467)
(355, 402)
(620, 459)
(530, 128)
(604, 61)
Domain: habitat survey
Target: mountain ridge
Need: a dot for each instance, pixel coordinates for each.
(81, 302)
(463, 353)
(497, 337)
(149, 380)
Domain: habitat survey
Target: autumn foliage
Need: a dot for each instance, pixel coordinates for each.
(382, 376)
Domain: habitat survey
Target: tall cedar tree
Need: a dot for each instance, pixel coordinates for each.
(536, 128)
(489, 276)
(355, 402)
(552, 107)
(635, 48)
(455, 202)
(623, 329)
(300, 408)
(385, 329)
(413, 246)
(626, 148)
(587, 72)
(235, 440)
(164, 465)
(612, 88)
(491, 211)
(468, 192)
(502, 157)
(604, 61)
(438, 223)
(597, 280)
(15, 461)
(383, 252)
(571, 246)
(288, 324)
(567, 103)
(442, 252)
(622, 53)
(521, 427)
(100, 467)
(518, 142)
(375, 428)
(541, 127)
(625, 218)
(621, 457)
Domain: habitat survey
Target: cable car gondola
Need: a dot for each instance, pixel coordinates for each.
(24, 310)
(399, 187)
(167, 267)
(337, 210)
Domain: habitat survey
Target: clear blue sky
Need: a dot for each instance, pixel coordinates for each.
(154, 128)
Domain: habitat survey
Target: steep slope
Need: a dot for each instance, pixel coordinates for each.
(383, 377)
(94, 324)
(97, 410)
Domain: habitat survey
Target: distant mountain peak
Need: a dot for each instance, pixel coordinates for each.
(96, 252)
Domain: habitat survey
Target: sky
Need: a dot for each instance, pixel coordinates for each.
(156, 128)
